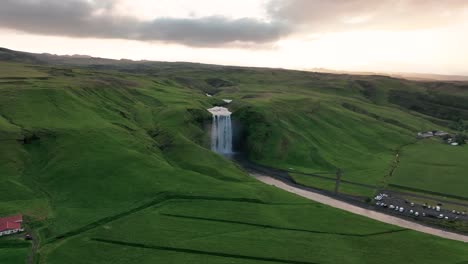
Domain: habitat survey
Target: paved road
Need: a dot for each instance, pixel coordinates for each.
(360, 211)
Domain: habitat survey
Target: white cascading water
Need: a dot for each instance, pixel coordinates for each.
(221, 130)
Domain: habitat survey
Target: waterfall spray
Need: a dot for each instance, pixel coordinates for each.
(221, 130)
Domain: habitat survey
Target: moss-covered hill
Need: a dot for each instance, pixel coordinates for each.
(110, 161)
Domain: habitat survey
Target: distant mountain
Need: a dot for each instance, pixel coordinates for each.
(86, 60)
(428, 76)
(17, 56)
(404, 75)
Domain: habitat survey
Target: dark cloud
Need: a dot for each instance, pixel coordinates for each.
(212, 30)
(80, 18)
(343, 15)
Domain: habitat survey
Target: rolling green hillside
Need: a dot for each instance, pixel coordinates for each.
(110, 163)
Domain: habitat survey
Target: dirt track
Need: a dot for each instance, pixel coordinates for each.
(360, 211)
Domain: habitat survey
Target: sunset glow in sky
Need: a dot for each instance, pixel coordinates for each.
(425, 36)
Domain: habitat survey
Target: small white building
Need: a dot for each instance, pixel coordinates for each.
(425, 134)
(441, 133)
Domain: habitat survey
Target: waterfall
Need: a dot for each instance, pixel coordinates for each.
(221, 130)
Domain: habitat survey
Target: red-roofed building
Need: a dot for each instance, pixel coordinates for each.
(11, 225)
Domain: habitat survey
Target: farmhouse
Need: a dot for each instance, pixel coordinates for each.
(11, 225)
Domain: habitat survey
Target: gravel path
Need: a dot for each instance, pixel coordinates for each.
(360, 211)
(34, 246)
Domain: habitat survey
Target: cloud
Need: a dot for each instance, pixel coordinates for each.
(212, 30)
(98, 19)
(343, 15)
(81, 18)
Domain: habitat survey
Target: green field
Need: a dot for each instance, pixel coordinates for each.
(250, 233)
(13, 255)
(111, 164)
(12, 251)
(434, 167)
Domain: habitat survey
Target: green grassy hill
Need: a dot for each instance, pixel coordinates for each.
(110, 163)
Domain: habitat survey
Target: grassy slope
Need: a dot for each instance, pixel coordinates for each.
(329, 185)
(109, 155)
(317, 115)
(322, 124)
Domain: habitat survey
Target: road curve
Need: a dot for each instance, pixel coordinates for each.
(360, 211)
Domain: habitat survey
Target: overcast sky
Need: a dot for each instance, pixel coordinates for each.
(427, 36)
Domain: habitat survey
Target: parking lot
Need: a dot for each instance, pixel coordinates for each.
(405, 207)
